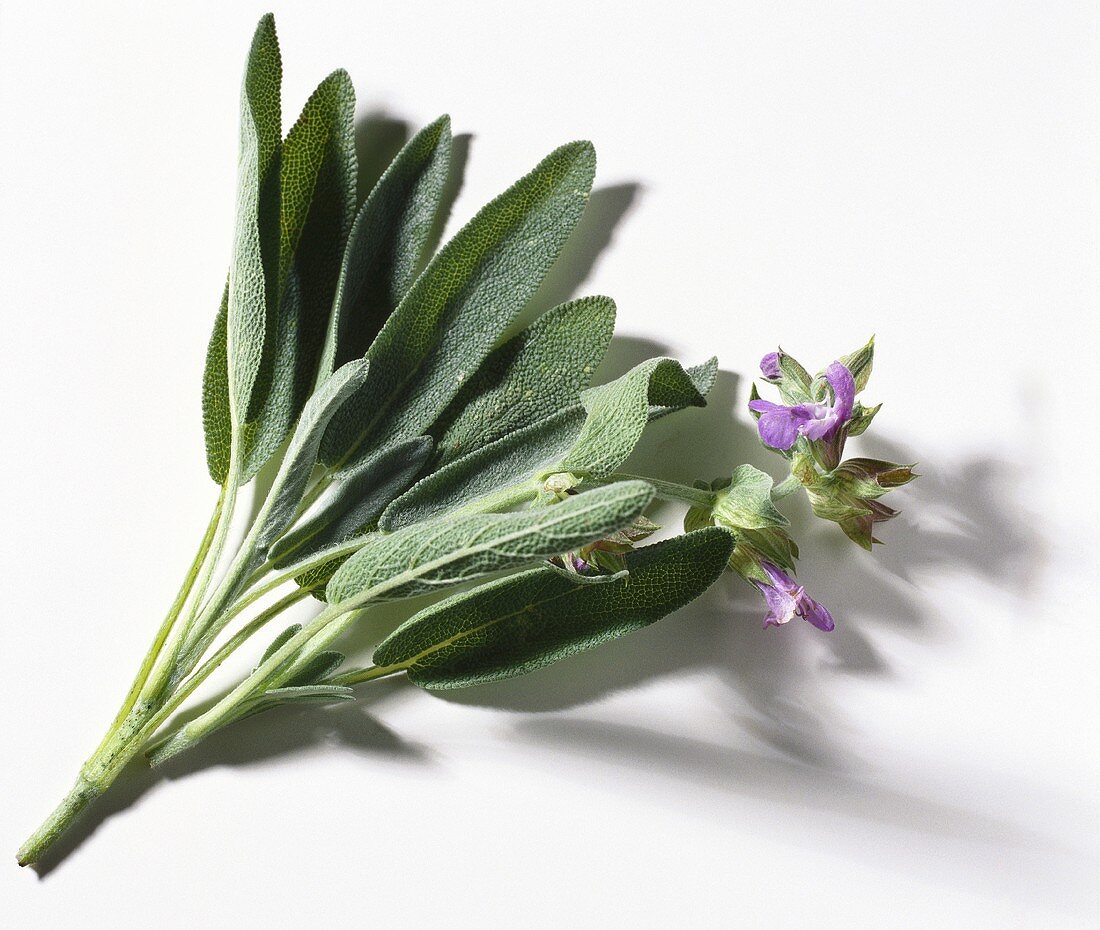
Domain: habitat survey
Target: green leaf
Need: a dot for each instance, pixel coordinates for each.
(861, 419)
(461, 305)
(859, 363)
(427, 557)
(296, 467)
(385, 250)
(533, 375)
(316, 669)
(746, 502)
(236, 346)
(524, 622)
(619, 411)
(702, 376)
(279, 641)
(355, 502)
(521, 458)
(511, 462)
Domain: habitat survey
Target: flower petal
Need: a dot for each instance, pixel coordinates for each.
(769, 366)
(815, 613)
(844, 391)
(779, 427)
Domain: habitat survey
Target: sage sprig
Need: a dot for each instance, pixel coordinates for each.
(418, 443)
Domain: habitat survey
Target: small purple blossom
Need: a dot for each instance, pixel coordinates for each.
(787, 599)
(769, 366)
(780, 426)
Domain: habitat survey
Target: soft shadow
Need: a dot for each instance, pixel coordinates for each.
(280, 732)
(456, 173)
(606, 209)
(378, 138)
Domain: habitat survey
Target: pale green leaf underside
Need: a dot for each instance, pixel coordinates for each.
(524, 622)
(747, 501)
(428, 557)
(462, 304)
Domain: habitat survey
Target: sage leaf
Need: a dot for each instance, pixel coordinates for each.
(355, 502)
(296, 467)
(514, 461)
(746, 501)
(533, 375)
(236, 346)
(317, 191)
(427, 557)
(279, 641)
(385, 250)
(461, 304)
(702, 376)
(523, 622)
(316, 668)
(619, 410)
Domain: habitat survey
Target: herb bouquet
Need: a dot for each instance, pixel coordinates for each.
(419, 447)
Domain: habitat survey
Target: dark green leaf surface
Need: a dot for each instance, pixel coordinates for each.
(317, 188)
(385, 250)
(524, 622)
(512, 461)
(355, 502)
(462, 304)
(535, 374)
(424, 558)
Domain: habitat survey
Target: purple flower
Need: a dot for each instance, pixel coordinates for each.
(788, 599)
(780, 426)
(769, 366)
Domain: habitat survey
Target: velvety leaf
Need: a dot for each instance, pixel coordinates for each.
(746, 501)
(235, 352)
(318, 178)
(315, 669)
(512, 461)
(385, 250)
(524, 622)
(296, 467)
(533, 375)
(355, 502)
(427, 557)
(702, 376)
(522, 457)
(462, 304)
(618, 412)
(279, 641)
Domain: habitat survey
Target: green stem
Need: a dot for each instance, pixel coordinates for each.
(100, 771)
(668, 490)
(165, 628)
(360, 675)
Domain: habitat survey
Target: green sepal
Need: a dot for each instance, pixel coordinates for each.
(861, 419)
(745, 503)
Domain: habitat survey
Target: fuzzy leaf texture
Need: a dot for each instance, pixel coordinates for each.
(521, 623)
(462, 304)
(519, 459)
(428, 557)
(534, 374)
(235, 352)
(385, 250)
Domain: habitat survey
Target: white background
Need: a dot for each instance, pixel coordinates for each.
(803, 174)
